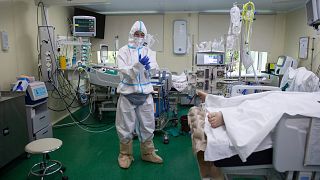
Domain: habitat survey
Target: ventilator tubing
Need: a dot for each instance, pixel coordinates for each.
(125, 156)
(148, 152)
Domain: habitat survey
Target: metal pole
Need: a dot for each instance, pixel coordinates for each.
(241, 51)
(312, 51)
(44, 16)
(193, 58)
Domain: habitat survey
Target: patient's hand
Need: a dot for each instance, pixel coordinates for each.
(202, 95)
(215, 119)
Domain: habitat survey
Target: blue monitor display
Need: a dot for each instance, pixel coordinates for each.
(40, 91)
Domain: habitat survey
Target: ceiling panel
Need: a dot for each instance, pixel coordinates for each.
(71, 2)
(114, 6)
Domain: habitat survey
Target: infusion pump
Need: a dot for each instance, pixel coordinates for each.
(210, 72)
(210, 79)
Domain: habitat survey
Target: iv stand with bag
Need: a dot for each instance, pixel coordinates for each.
(234, 31)
(245, 57)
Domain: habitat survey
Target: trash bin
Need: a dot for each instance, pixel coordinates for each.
(184, 124)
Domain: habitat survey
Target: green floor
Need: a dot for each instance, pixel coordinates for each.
(94, 156)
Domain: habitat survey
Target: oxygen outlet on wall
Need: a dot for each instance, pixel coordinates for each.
(4, 41)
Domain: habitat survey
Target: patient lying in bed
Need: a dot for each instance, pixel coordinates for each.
(242, 124)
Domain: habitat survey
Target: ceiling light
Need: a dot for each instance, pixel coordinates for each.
(129, 12)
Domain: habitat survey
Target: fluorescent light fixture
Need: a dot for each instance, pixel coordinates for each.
(266, 12)
(215, 11)
(72, 2)
(129, 12)
(228, 11)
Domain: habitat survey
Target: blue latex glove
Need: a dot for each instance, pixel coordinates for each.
(147, 66)
(144, 61)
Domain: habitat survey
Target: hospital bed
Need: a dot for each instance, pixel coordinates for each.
(103, 81)
(103, 76)
(295, 153)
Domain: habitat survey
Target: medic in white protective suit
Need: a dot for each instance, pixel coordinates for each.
(135, 105)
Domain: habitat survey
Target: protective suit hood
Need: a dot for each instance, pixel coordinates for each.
(137, 26)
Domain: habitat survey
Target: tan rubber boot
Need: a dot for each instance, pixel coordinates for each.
(148, 153)
(125, 156)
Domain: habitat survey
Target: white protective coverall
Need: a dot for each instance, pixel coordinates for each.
(249, 120)
(135, 79)
(300, 80)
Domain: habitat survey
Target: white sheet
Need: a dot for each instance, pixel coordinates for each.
(180, 82)
(249, 120)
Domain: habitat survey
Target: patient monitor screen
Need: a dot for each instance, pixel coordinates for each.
(209, 58)
(281, 60)
(84, 26)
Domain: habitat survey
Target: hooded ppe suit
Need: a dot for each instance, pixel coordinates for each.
(135, 106)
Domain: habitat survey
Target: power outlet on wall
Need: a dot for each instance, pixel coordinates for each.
(4, 41)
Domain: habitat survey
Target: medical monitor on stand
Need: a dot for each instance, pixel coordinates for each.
(84, 26)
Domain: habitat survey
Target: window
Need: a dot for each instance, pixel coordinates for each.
(259, 62)
(111, 60)
(263, 58)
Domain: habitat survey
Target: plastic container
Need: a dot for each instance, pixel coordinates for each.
(63, 62)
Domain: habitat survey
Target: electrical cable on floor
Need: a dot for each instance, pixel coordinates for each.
(90, 131)
(77, 122)
(73, 123)
(70, 113)
(87, 130)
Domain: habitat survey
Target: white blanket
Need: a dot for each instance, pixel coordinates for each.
(180, 82)
(249, 120)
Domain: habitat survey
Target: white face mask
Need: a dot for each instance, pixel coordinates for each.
(138, 41)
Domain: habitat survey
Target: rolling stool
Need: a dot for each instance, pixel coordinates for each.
(46, 167)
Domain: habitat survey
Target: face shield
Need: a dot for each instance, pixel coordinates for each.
(137, 34)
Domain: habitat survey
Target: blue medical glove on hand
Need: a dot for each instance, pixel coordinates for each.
(147, 66)
(144, 61)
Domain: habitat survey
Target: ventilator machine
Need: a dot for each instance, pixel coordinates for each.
(283, 63)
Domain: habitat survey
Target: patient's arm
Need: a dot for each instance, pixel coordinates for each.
(202, 95)
(215, 119)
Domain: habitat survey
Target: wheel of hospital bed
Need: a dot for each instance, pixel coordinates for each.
(165, 138)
